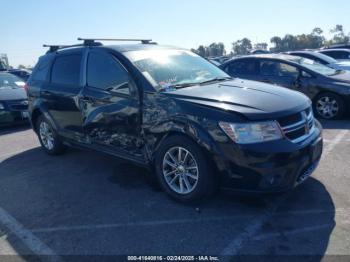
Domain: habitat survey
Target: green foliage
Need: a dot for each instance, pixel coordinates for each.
(261, 46)
(242, 47)
(313, 40)
(214, 49)
(297, 42)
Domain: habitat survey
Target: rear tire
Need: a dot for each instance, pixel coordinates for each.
(48, 137)
(329, 106)
(184, 171)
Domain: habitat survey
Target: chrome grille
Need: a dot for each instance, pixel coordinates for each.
(298, 127)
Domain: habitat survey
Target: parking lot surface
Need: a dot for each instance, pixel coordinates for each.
(86, 203)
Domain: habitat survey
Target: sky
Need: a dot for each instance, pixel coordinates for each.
(27, 25)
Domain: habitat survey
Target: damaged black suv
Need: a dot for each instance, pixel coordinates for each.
(170, 110)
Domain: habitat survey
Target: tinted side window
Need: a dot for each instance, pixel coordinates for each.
(241, 68)
(66, 70)
(271, 68)
(42, 68)
(105, 72)
(337, 54)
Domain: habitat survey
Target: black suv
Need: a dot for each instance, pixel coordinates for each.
(172, 111)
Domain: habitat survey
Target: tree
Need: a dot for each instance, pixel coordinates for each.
(214, 49)
(339, 36)
(21, 67)
(277, 41)
(261, 46)
(242, 47)
(296, 42)
(201, 51)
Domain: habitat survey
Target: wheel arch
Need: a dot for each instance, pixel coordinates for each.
(195, 133)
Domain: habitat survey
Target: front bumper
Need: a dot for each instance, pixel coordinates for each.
(14, 111)
(275, 166)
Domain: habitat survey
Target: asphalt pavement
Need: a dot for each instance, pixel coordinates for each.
(87, 203)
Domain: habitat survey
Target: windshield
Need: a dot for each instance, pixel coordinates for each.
(316, 67)
(328, 59)
(174, 68)
(8, 80)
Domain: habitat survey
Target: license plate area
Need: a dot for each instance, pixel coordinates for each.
(25, 114)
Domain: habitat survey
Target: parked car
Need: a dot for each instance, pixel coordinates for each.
(21, 73)
(322, 59)
(218, 60)
(259, 51)
(13, 100)
(338, 46)
(329, 89)
(174, 112)
(338, 54)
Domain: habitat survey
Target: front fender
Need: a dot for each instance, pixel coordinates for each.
(181, 125)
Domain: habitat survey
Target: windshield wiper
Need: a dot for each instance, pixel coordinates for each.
(176, 86)
(216, 79)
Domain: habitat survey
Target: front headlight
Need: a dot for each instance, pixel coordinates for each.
(2, 107)
(249, 133)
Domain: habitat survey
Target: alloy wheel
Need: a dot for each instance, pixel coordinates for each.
(46, 135)
(180, 170)
(327, 107)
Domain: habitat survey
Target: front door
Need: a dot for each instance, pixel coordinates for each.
(110, 104)
(278, 73)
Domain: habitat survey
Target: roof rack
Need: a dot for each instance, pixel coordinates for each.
(91, 40)
(54, 48)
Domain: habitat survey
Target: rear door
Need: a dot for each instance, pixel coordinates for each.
(60, 95)
(111, 104)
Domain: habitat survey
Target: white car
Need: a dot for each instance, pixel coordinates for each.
(322, 59)
(338, 54)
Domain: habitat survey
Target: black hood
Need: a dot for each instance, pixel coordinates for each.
(254, 100)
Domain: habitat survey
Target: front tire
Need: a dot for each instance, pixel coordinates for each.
(48, 137)
(184, 171)
(329, 106)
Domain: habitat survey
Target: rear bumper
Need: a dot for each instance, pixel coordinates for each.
(270, 167)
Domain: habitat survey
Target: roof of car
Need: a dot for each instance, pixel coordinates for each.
(124, 48)
(137, 47)
(335, 49)
(269, 56)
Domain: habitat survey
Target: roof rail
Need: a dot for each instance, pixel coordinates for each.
(54, 48)
(91, 40)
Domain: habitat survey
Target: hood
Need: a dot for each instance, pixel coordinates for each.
(341, 65)
(255, 100)
(7, 93)
(343, 77)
